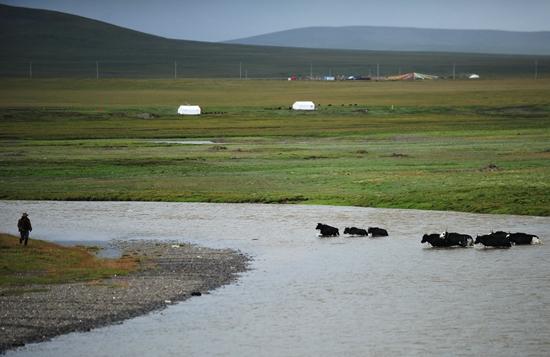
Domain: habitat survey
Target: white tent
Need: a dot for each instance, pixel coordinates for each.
(473, 76)
(189, 110)
(307, 105)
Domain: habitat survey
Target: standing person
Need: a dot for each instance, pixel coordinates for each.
(24, 226)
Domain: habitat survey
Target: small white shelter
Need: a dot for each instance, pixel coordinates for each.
(473, 76)
(305, 105)
(189, 110)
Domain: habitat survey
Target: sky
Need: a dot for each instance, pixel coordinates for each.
(220, 20)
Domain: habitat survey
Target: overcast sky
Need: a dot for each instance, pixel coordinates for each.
(219, 20)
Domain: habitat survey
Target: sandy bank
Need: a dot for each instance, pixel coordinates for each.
(168, 273)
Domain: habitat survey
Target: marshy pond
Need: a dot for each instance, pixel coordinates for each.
(311, 296)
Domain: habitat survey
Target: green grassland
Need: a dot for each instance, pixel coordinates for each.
(43, 262)
(476, 146)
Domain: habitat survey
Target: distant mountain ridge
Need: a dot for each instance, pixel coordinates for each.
(377, 38)
(49, 44)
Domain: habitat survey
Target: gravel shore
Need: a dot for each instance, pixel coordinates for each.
(169, 272)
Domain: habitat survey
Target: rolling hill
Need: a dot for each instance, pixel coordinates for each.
(407, 39)
(45, 44)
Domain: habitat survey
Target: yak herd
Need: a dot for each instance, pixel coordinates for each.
(497, 239)
(328, 231)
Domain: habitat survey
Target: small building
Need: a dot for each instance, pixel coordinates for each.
(329, 78)
(189, 110)
(303, 105)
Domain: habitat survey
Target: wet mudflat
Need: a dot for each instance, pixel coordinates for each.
(309, 296)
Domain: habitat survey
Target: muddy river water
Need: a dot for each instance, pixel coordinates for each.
(309, 296)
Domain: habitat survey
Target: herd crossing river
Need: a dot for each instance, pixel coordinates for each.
(305, 296)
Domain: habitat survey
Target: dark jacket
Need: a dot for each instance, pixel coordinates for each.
(24, 224)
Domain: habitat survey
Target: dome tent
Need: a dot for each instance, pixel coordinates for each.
(303, 105)
(189, 110)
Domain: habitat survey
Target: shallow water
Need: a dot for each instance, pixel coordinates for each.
(185, 142)
(106, 250)
(319, 296)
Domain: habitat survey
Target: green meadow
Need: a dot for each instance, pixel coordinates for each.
(474, 146)
(42, 262)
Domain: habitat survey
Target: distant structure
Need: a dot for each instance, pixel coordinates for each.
(411, 77)
(303, 105)
(329, 78)
(358, 78)
(473, 76)
(189, 110)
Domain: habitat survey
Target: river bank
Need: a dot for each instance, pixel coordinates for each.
(309, 296)
(168, 272)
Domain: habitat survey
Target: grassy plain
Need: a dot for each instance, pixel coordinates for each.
(477, 146)
(43, 262)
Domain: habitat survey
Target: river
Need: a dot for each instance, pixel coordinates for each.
(311, 296)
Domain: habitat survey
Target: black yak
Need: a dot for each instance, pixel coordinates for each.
(464, 240)
(494, 240)
(327, 231)
(377, 232)
(356, 231)
(447, 239)
(523, 238)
